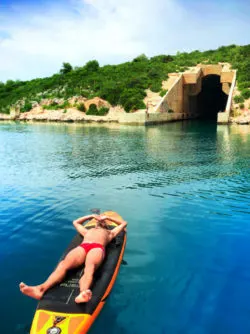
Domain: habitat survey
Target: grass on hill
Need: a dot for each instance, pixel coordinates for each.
(122, 84)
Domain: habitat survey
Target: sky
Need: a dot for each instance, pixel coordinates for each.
(37, 36)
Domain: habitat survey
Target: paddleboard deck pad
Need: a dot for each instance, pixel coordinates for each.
(57, 312)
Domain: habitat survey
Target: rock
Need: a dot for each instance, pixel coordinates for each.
(34, 104)
(246, 121)
(46, 102)
(58, 101)
(77, 99)
(5, 117)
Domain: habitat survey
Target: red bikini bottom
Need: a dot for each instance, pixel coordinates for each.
(87, 246)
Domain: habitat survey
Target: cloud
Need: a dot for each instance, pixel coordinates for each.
(36, 40)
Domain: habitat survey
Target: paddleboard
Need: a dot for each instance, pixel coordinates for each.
(57, 312)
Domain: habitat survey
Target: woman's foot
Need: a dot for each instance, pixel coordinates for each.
(32, 291)
(84, 296)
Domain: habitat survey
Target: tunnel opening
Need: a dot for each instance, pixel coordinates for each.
(211, 98)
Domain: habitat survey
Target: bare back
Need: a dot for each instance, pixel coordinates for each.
(98, 235)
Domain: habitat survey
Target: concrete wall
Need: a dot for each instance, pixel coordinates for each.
(167, 117)
(226, 87)
(133, 118)
(142, 118)
(227, 75)
(211, 69)
(173, 99)
(223, 117)
(192, 76)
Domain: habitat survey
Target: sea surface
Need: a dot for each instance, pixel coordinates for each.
(184, 188)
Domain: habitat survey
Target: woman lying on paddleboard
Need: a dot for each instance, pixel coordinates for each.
(91, 252)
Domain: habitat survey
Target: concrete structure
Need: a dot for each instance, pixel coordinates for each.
(223, 117)
(180, 102)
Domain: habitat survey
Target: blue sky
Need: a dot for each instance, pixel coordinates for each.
(37, 36)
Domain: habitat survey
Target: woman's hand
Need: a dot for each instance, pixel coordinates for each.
(101, 218)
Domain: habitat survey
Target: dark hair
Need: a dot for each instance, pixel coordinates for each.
(103, 224)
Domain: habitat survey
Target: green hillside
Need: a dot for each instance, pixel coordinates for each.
(122, 84)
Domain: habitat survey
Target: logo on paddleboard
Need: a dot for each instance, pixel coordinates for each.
(54, 330)
(58, 319)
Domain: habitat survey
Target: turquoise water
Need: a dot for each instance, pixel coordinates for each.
(183, 188)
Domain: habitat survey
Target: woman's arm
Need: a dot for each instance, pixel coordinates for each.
(121, 226)
(103, 217)
(77, 223)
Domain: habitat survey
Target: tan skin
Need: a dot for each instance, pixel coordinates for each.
(77, 257)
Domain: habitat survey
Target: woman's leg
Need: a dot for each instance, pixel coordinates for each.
(73, 259)
(93, 260)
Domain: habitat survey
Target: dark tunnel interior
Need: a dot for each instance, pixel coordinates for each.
(211, 99)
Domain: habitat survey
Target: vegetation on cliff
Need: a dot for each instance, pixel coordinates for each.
(122, 84)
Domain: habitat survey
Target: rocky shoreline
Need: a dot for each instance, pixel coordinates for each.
(69, 115)
(73, 115)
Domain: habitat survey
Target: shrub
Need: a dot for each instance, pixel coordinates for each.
(26, 107)
(131, 99)
(137, 82)
(155, 86)
(81, 107)
(140, 105)
(154, 73)
(92, 66)
(162, 58)
(238, 99)
(163, 92)
(245, 84)
(140, 58)
(64, 111)
(242, 106)
(92, 110)
(111, 93)
(48, 107)
(236, 113)
(170, 111)
(133, 105)
(66, 68)
(245, 93)
(55, 106)
(65, 104)
(103, 111)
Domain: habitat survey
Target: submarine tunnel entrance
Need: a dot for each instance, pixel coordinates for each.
(210, 100)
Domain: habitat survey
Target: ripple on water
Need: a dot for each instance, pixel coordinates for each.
(183, 188)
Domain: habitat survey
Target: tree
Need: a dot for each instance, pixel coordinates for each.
(139, 58)
(66, 68)
(92, 66)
